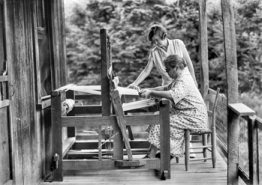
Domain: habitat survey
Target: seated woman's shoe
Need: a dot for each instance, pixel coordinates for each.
(158, 155)
(146, 156)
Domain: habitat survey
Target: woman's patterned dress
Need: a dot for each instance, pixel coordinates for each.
(188, 111)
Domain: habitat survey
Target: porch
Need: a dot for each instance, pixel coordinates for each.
(200, 173)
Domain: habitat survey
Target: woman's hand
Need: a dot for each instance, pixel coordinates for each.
(145, 93)
(133, 86)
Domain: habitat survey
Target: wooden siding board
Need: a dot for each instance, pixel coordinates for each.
(34, 148)
(14, 57)
(28, 125)
(4, 145)
(36, 54)
(10, 57)
(63, 43)
(2, 43)
(28, 133)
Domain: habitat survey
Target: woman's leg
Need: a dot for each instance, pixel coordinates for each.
(153, 151)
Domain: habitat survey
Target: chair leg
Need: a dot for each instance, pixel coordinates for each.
(187, 148)
(204, 142)
(214, 148)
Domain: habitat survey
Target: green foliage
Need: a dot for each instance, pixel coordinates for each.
(250, 45)
(248, 20)
(127, 23)
(253, 100)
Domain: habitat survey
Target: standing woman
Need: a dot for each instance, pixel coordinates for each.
(163, 47)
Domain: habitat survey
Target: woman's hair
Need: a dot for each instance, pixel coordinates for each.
(175, 60)
(156, 29)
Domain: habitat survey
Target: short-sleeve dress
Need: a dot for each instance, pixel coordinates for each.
(188, 111)
(158, 55)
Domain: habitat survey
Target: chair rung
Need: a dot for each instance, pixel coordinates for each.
(200, 159)
(201, 132)
(195, 141)
(197, 147)
(196, 152)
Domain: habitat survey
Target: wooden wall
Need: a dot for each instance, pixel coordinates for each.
(5, 145)
(30, 126)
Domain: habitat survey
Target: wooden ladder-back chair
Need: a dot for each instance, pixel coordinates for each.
(211, 102)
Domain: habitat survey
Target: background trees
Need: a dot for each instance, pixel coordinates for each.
(127, 23)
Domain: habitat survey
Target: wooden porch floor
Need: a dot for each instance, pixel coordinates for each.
(200, 173)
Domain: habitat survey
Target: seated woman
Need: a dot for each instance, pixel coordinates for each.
(188, 109)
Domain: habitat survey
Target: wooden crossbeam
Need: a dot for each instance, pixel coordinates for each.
(4, 103)
(92, 164)
(79, 121)
(134, 163)
(3, 78)
(106, 164)
(92, 144)
(121, 120)
(92, 152)
(87, 109)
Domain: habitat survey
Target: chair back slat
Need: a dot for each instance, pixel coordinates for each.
(211, 95)
(211, 102)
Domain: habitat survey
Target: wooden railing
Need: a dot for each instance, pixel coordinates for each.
(236, 112)
(254, 146)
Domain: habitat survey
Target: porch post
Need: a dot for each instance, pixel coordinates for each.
(204, 76)
(232, 89)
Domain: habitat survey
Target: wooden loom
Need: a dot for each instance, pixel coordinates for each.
(118, 121)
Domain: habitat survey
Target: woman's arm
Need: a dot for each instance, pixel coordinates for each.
(143, 74)
(159, 88)
(189, 63)
(146, 93)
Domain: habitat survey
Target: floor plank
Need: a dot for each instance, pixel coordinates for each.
(200, 173)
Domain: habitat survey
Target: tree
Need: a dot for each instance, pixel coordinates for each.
(127, 23)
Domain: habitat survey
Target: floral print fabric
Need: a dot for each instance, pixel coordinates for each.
(188, 111)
